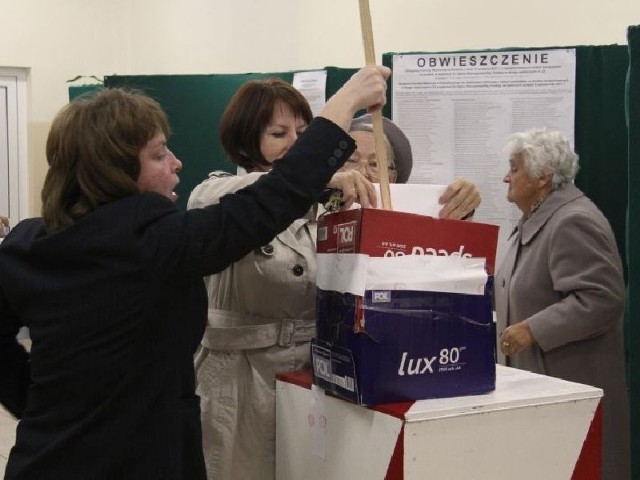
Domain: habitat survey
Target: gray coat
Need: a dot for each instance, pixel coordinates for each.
(562, 273)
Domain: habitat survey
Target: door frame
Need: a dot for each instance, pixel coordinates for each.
(14, 83)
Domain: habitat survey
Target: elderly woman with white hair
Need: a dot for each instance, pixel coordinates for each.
(560, 288)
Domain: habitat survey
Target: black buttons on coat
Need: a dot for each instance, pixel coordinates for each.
(266, 250)
(297, 270)
(338, 153)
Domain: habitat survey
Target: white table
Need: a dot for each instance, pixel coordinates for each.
(531, 427)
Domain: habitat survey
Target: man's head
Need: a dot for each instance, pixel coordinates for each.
(399, 156)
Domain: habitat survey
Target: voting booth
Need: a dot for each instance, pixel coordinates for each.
(530, 427)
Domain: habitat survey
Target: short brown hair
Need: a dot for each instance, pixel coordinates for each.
(92, 152)
(248, 114)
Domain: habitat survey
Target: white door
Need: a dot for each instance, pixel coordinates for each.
(4, 152)
(13, 151)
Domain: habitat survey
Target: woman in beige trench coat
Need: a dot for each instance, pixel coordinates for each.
(262, 308)
(560, 290)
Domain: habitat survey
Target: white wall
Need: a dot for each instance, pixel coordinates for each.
(60, 39)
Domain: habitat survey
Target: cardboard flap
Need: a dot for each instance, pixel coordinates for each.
(383, 233)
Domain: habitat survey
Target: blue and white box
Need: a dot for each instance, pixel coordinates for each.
(392, 329)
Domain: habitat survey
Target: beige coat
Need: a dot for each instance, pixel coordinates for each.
(261, 319)
(562, 273)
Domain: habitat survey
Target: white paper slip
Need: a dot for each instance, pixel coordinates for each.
(414, 198)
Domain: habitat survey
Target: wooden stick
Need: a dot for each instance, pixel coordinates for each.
(378, 131)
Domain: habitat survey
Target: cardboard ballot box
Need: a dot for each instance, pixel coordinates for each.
(530, 427)
(390, 331)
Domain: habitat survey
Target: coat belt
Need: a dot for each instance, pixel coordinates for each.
(233, 331)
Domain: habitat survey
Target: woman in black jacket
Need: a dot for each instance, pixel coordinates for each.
(109, 283)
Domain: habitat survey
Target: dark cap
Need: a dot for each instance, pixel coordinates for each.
(399, 143)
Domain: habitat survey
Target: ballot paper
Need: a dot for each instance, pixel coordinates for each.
(414, 198)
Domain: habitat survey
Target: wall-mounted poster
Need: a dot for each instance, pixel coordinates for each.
(458, 109)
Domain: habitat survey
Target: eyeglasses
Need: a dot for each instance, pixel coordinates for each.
(371, 166)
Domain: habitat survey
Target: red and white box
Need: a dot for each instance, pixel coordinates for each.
(403, 337)
(384, 233)
(531, 427)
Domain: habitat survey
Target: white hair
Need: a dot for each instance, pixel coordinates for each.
(545, 151)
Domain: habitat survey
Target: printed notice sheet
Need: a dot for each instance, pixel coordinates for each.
(457, 109)
(313, 86)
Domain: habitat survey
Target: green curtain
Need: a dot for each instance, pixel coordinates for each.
(76, 91)
(601, 132)
(633, 239)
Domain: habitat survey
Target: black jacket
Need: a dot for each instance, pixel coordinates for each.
(116, 306)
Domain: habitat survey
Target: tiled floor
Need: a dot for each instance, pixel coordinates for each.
(7, 437)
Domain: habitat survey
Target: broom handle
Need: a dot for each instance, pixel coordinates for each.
(378, 132)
